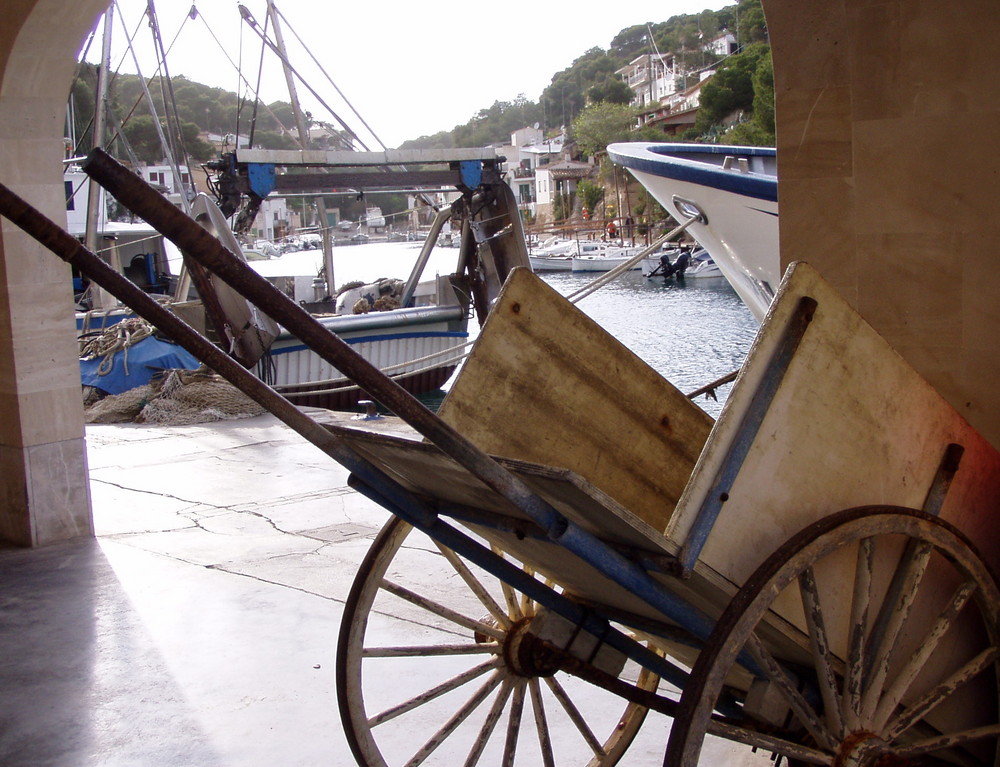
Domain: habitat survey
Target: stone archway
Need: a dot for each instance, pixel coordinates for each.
(44, 495)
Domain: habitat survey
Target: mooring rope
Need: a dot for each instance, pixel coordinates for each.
(118, 337)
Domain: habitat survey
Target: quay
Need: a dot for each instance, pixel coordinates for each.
(200, 625)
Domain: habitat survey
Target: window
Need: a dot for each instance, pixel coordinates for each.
(70, 200)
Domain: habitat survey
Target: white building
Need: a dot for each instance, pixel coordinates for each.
(272, 222)
(162, 176)
(652, 78)
(660, 80)
(724, 44)
(528, 156)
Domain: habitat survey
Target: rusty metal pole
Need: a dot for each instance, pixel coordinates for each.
(72, 251)
(69, 249)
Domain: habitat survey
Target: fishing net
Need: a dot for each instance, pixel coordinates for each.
(179, 398)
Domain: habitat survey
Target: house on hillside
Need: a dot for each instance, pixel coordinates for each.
(530, 157)
(272, 222)
(723, 44)
(659, 83)
(652, 78)
(559, 179)
(677, 113)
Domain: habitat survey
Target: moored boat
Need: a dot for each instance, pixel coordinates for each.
(601, 257)
(413, 330)
(733, 194)
(701, 265)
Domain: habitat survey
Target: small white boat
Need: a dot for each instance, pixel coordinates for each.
(733, 191)
(541, 263)
(703, 267)
(601, 257)
(556, 254)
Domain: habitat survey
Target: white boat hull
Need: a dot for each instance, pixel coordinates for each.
(599, 263)
(551, 263)
(738, 200)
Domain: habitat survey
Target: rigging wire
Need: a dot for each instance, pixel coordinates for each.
(330, 80)
(260, 74)
(239, 72)
(169, 101)
(252, 23)
(156, 121)
(119, 134)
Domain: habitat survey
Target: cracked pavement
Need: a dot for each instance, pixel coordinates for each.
(200, 626)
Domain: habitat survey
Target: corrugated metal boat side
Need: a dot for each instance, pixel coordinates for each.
(398, 342)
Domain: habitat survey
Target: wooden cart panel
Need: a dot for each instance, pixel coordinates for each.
(850, 423)
(547, 384)
(426, 471)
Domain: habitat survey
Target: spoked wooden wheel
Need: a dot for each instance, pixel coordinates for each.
(435, 665)
(893, 662)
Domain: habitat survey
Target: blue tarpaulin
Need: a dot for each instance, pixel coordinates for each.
(144, 359)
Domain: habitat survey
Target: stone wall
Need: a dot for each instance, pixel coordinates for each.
(886, 113)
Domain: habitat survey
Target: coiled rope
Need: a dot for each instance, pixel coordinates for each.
(118, 337)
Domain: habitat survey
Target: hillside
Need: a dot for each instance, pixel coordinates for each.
(590, 79)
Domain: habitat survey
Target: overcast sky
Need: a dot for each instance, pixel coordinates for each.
(409, 68)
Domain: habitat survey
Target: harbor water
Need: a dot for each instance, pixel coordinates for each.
(691, 333)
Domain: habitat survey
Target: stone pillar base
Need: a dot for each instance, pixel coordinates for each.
(45, 493)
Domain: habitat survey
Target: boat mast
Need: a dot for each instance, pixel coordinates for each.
(300, 124)
(173, 148)
(100, 298)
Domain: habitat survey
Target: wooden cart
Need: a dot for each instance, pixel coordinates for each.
(820, 558)
(811, 575)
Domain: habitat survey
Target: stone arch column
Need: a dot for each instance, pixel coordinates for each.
(44, 492)
(887, 113)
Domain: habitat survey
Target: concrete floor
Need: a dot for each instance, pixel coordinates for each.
(200, 626)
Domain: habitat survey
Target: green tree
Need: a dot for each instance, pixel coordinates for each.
(759, 129)
(197, 149)
(730, 90)
(142, 135)
(763, 94)
(752, 27)
(274, 140)
(590, 195)
(602, 124)
(612, 91)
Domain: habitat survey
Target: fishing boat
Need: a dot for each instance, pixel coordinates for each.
(540, 263)
(415, 330)
(554, 254)
(579, 256)
(731, 192)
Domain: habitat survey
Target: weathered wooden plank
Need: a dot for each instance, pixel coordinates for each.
(546, 384)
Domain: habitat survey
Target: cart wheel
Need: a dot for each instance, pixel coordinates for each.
(418, 680)
(896, 662)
